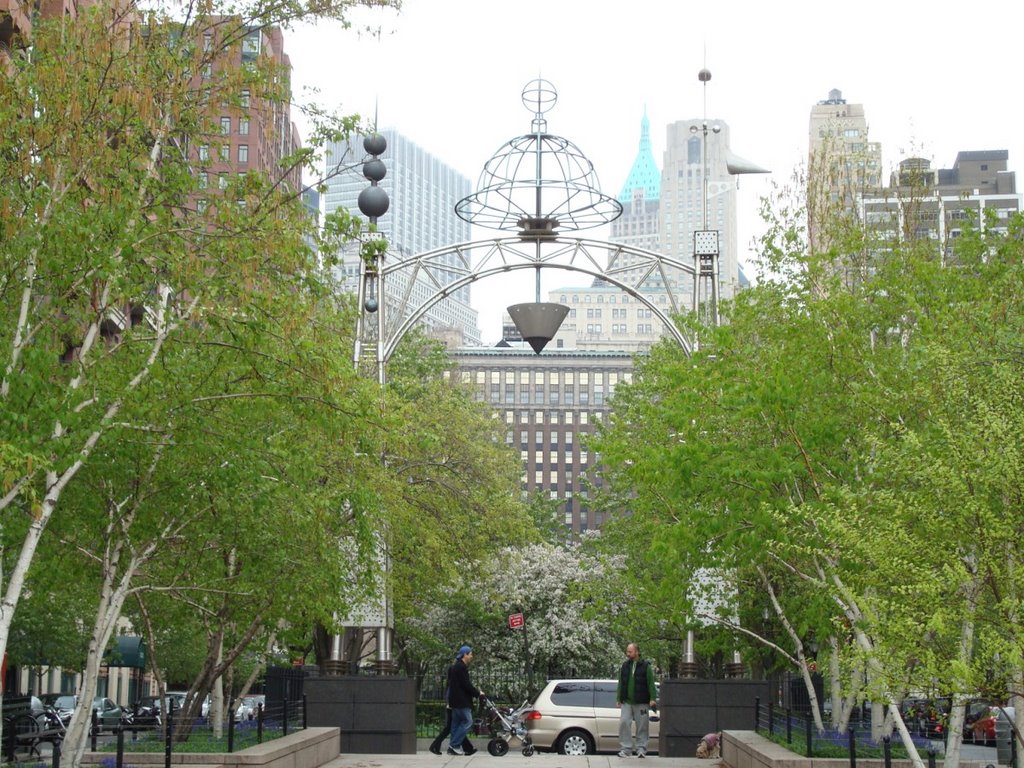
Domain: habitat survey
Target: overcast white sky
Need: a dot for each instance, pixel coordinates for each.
(935, 78)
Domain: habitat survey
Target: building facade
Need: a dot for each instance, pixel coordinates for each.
(843, 164)
(936, 204)
(423, 192)
(549, 403)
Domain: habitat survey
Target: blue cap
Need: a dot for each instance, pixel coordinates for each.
(463, 651)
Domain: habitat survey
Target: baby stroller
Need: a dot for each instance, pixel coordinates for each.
(503, 725)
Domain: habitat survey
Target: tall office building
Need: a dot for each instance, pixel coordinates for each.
(842, 166)
(423, 192)
(640, 197)
(549, 403)
(684, 209)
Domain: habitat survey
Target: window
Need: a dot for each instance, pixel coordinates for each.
(243, 126)
(207, 41)
(573, 694)
(225, 152)
(222, 180)
(204, 180)
(204, 152)
(538, 437)
(225, 125)
(245, 98)
(243, 153)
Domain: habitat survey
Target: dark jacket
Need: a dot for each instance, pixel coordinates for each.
(461, 691)
(643, 683)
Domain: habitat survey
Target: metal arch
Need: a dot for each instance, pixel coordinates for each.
(445, 270)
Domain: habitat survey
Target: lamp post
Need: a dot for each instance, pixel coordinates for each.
(705, 241)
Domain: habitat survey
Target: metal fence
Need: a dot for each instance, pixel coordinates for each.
(267, 721)
(798, 732)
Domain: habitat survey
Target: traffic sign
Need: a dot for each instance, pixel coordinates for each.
(515, 621)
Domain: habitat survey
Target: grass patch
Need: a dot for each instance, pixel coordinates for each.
(836, 745)
(199, 741)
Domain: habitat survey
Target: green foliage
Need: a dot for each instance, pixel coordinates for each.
(849, 440)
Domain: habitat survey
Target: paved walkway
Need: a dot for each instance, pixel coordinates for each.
(514, 759)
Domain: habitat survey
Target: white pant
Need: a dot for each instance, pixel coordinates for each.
(634, 713)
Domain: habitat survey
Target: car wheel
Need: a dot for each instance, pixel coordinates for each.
(576, 742)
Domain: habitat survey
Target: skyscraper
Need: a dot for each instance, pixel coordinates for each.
(423, 191)
(684, 209)
(842, 165)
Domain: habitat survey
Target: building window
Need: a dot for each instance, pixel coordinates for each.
(204, 152)
(243, 153)
(538, 437)
(225, 125)
(222, 180)
(245, 98)
(204, 179)
(243, 126)
(225, 152)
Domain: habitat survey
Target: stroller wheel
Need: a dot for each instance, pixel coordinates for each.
(497, 747)
(528, 750)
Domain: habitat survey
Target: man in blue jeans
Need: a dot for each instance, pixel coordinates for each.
(461, 693)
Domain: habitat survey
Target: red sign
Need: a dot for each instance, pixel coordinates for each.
(515, 621)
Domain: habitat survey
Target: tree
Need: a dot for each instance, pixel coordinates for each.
(767, 456)
(122, 274)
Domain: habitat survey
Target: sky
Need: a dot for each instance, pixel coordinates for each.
(934, 79)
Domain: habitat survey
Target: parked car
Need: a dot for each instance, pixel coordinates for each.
(983, 729)
(108, 713)
(578, 717)
(249, 706)
(926, 717)
(973, 710)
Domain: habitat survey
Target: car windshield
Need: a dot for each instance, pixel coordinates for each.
(64, 702)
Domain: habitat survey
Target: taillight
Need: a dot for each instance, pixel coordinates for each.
(533, 714)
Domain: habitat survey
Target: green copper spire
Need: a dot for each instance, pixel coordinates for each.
(645, 173)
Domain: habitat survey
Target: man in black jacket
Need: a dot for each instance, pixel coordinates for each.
(636, 695)
(461, 693)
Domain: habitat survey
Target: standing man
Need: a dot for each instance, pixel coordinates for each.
(461, 693)
(635, 696)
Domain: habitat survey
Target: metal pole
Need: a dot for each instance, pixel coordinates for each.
(789, 727)
(852, 741)
(119, 761)
(771, 718)
(231, 725)
(887, 751)
(757, 713)
(94, 732)
(284, 717)
(305, 712)
(169, 735)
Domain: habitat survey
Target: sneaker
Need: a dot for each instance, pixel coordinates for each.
(641, 754)
(456, 751)
(625, 753)
(435, 749)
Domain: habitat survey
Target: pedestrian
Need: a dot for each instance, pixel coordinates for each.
(461, 693)
(635, 696)
(435, 745)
